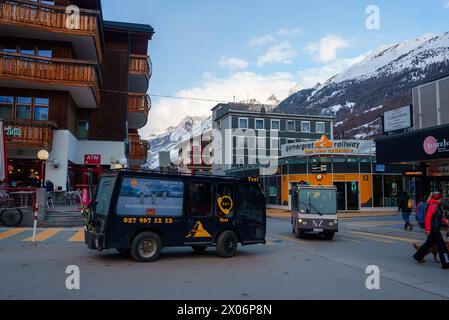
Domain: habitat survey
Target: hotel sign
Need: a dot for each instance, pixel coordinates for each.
(398, 119)
(14, 132)
(324, 146)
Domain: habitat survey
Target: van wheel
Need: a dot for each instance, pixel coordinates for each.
(329, 235)
(146, 247)
(299, 234)
(200, 249)
(227, 244)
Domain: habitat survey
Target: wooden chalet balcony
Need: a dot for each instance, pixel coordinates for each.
(138, 150)
(30, 19)
(140, 71)
(138, 108)
(78, 77)
(29, 134)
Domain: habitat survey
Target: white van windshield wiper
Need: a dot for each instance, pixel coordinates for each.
(309, 208)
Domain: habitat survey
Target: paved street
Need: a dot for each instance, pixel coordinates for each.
(286, 268)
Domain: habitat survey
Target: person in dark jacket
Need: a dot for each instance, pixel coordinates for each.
(406, 209)
(434, 221)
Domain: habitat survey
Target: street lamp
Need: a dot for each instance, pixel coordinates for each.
(43, 156)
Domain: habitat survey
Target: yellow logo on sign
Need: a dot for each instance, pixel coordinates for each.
(225, 204)
(134, 183)
(198, 231)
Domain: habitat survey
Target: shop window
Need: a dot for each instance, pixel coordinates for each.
(6, 107)
(393, 188)
(23, 111)
(200, 194)
(378, 194)
(225, 200)
(41, 109)
(83, 130)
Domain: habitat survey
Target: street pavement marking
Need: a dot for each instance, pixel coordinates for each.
(350, 240)
(44, 235)
(78, 236)
(375, 235)
(11, 233)
(376, 224)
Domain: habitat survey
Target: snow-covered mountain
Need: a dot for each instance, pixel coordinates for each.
(380, 82)
(166, 141)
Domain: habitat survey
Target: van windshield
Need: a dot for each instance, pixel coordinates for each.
(104, 194)
(316, 201)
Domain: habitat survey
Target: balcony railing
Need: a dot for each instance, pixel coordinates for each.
(139, 103)
(138, 148)
(29, 134)
(138, 108)
(52, 71)
(51, 18)
(140, 64)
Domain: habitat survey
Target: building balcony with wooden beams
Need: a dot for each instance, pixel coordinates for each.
(29, 135)
(138, 150)
(140, 71)
(139, 106)
(80, 78)
(37, 20)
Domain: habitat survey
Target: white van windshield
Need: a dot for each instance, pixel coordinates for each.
(317, 201)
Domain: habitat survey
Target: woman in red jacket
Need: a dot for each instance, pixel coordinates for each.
(433, 222)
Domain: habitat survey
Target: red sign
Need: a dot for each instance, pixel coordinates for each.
(92, 159)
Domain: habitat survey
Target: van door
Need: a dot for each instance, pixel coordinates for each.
(200, 221)
(251, 217)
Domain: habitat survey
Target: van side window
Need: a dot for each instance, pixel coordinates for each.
(225, 200)
(245, 201)
(150, 197)
(200, 199)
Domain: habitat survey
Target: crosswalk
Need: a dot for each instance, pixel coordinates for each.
(42, 235)
(77, 236)
(352, 237)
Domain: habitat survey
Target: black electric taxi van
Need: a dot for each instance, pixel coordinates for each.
(141, 213)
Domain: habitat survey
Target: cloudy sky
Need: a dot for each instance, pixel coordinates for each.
(239, 49)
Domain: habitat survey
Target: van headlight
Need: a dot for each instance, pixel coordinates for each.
(336, 222)
(300, 220)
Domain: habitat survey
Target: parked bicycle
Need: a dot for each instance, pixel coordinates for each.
(9, 216)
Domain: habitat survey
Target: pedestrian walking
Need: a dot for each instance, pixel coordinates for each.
(434, 223)
(405, 207)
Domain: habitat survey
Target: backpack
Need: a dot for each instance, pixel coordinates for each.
(409, 204)
(421, 213)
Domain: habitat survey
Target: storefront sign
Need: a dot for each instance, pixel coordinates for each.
(438, 170)
(13, 132)
(329, 147)
(398, 119)
(419, 146)
(413, 173)
(92, 159)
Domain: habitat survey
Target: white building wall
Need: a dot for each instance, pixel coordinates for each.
(67, 148)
